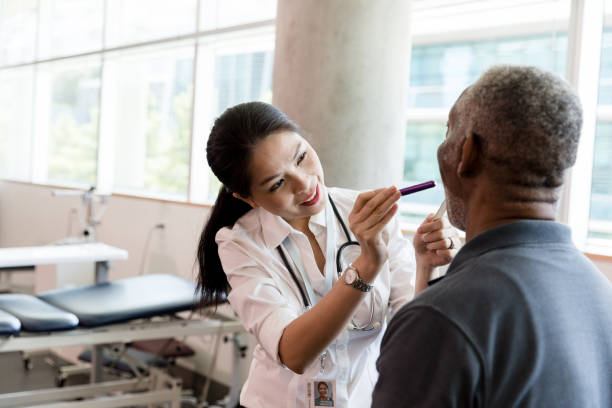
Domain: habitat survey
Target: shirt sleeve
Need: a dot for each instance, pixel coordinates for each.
(427, 361)
(402, 265)
(256, 297)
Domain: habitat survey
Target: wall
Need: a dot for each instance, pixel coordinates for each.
(605, 266)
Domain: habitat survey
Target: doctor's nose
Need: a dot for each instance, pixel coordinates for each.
(302, 184)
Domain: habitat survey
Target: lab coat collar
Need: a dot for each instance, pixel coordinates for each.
(319, 218)
(275, 229)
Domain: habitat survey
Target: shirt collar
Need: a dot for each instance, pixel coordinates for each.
(518, 233)
(319, 218)
(275, 229)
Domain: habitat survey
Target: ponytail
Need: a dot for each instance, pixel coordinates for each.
(228, 151)
(212, 282)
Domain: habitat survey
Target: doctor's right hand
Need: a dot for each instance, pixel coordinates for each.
(371, 213)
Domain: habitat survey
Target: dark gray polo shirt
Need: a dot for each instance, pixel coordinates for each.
(522, 319)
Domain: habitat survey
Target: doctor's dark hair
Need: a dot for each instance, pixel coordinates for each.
(230, 145)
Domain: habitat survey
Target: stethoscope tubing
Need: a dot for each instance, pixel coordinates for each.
(338, 264)
(295, 279)
(348, 243)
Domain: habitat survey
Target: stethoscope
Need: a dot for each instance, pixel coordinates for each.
(343, 249)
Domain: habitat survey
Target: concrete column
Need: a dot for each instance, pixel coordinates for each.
(341, 72)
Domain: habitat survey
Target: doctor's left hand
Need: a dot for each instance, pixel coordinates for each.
(436, 242)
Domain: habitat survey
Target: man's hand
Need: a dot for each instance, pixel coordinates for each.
(435, 243)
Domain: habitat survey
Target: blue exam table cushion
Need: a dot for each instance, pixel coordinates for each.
(125, 299)
(36, 315)
(9, 324)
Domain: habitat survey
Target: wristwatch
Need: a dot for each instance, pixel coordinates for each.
(351, 277)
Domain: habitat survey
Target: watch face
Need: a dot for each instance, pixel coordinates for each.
(349, 276)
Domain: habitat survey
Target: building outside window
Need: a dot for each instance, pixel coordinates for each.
(96, 93)
(600, 225)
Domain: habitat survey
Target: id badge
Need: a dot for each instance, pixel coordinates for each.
(321, 393)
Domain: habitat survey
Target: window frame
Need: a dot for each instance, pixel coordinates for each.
(198, 174)
(574, 207)
(582, 64)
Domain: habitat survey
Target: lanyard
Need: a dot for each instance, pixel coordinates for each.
(310, 298)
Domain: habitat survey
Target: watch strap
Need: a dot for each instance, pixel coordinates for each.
(358, 283)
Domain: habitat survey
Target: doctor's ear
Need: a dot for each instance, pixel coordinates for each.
(470, 155)
(246, 200)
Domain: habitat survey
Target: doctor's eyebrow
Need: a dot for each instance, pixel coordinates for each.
(268, 179)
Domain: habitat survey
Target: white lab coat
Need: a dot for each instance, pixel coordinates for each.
(266, 299)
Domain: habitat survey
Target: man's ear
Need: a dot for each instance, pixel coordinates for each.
(246, 200)
(468, 165)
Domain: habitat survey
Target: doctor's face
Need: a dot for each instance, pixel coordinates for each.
(287, 177)
(323, 391)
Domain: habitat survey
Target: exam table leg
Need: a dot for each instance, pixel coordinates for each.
(101, 271)
(96, 364)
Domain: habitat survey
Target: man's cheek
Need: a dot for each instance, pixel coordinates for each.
(443, 164)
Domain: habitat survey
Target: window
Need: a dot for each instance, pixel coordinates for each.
(600, 217)
(147, 117)
(66, 118)
(420, 164)
(128, 24)
(17, 31)
(226, 13)
(69, 27)
(600, 225)
(232, 68)
(16, 122)
(98, 93)
(440, 72)
(449, 52)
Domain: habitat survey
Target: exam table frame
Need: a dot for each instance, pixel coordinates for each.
(156, 387)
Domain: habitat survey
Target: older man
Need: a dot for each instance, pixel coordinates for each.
(522, 317)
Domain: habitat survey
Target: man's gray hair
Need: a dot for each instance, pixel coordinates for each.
(528, 122)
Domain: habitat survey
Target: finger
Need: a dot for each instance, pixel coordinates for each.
(430, 225)
(445, 243)
(439, 224)
(381, 211)
(374, 202)
(437, 235)
(436, 258)
(378, 227)
(446, 254)
(363, 198)
(453, 247)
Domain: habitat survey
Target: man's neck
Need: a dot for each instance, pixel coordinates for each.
(486, 210)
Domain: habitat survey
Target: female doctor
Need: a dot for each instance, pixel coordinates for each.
(310, 270)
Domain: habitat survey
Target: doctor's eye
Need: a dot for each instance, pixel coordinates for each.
(301, 158)
(276, 185)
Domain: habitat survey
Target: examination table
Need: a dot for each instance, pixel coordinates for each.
(109, 314)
